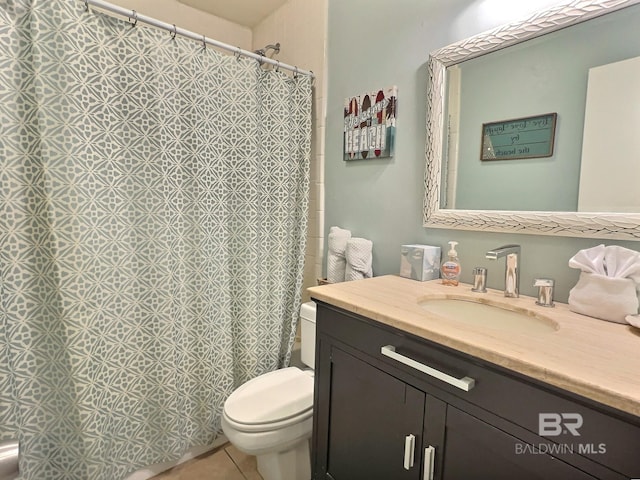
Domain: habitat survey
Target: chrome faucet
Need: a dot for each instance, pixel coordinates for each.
(512, 272)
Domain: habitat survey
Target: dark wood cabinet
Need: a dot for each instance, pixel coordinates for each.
(476, 449)
(373, 416)
(428, 412)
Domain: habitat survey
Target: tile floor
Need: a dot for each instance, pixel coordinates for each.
(224, 463)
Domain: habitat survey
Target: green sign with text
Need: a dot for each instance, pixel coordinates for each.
(527, 137)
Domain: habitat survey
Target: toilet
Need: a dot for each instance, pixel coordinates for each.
(271, 416)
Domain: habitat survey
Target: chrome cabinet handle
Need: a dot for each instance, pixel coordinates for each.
(409, 451)
(465, 383)
(429, 455)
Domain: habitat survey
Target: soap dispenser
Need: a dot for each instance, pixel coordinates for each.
(451, 268)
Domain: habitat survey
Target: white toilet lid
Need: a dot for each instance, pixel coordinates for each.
(272, 397)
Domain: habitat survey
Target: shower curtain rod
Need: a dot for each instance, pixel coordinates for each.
(137, 17)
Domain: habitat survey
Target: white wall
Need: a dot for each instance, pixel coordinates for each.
(197, 21)
(610, 168)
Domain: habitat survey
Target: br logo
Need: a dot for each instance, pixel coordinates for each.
(554, 424)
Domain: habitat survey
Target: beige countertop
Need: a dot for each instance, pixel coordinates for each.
(594, 358)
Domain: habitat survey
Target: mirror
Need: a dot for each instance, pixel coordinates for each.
(480, 81)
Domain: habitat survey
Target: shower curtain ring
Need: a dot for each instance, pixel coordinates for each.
(134, 15)
(86, 5)
(204, 43)
(277, 66)
(174, 33)
(238, 53)
(295, 73)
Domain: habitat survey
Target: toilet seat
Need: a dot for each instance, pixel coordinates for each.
(271, 401)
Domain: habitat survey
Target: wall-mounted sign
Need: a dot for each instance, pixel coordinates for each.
(370, 124)
(527, 137)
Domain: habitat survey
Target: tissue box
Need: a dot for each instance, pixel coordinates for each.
(420, 262)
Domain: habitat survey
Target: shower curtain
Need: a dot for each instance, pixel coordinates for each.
(154, 196)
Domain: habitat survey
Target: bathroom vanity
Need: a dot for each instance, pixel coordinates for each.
(406, 391)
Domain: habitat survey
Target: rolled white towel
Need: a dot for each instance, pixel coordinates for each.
(359, 257)
(336, 261)
(340, 231)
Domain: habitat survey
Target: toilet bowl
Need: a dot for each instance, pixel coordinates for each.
(271, 416)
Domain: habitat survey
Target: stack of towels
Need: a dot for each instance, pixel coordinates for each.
(608, 284)
(348, 258)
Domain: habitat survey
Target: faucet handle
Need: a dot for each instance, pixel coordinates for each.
(479, 280)
(545, 291)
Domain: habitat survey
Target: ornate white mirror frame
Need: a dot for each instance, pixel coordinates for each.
(621, 226)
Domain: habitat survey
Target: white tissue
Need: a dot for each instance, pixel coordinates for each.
(336, 260)
(607, 287)
(359, 256)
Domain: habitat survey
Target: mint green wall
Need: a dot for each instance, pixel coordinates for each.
(378, 43)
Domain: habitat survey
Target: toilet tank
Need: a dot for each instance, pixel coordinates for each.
(308, 333)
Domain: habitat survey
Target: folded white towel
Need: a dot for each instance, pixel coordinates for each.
(612, 261)
(607, 298)
(336, 261)
(621, 262)
(359, 256)
(590, 260)
(607, 287)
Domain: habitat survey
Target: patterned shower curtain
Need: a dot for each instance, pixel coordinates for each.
(153, 202)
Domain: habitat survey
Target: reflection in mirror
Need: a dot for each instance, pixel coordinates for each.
(550, 63)
(546, 74)
(611, 145)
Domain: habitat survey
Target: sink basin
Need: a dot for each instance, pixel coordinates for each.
(489, 314)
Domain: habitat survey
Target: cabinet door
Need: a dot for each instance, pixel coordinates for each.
(475, 449)
(371, 418)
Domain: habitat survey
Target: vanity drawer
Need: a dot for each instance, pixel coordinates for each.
(575, 424)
